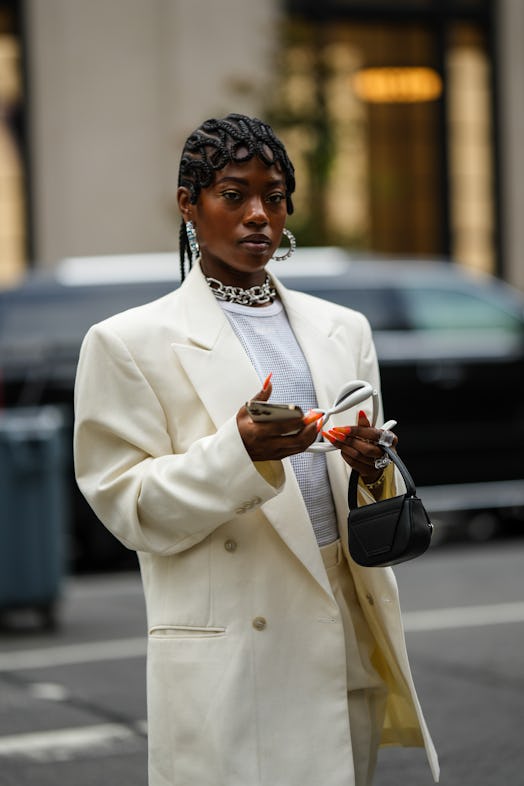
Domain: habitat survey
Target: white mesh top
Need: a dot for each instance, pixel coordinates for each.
(269, 341)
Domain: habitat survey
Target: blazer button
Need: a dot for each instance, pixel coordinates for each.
(370, 599)
(259, 623)
(230, 545)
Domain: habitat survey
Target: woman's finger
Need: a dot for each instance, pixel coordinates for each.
(274, 439)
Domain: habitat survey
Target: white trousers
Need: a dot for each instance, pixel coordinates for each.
(366, 690)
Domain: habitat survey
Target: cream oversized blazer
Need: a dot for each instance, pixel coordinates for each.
(246, 658)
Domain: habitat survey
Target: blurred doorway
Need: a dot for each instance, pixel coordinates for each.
(389, 123)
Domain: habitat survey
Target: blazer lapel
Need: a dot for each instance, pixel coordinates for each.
(211, 354)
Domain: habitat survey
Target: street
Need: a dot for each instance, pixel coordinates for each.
(72, 703)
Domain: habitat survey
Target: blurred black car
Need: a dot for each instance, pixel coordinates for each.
(450, 347)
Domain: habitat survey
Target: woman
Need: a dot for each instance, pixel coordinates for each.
(273, 659)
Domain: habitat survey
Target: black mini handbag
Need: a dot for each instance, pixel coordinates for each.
(391, 530)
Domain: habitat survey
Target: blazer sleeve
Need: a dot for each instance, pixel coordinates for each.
(150, 497)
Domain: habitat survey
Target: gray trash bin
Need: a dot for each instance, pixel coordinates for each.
(32, 510)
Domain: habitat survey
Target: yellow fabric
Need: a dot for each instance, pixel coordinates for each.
(388, 488)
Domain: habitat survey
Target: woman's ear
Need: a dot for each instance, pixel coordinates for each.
(184, 202)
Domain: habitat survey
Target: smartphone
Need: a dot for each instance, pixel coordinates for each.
(266, 411)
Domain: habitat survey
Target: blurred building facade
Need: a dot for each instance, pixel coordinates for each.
(404, 119)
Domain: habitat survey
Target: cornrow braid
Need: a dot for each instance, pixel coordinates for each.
(234, 139)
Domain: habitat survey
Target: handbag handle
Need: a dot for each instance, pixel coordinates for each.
(411, 491)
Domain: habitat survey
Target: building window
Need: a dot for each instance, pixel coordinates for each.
(12, 201)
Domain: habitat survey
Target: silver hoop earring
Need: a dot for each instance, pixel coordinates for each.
(292, 246)
(192, 239)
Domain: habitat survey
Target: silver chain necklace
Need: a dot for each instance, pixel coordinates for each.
(259, 295)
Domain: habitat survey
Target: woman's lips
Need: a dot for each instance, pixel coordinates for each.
(256, 242)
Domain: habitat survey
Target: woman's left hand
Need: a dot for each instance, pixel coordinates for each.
(359, 446)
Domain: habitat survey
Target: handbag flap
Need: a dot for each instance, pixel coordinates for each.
(372, 528)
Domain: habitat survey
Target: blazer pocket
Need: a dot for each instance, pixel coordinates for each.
(185, 632)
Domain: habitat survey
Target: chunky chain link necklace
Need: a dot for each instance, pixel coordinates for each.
(259, 295)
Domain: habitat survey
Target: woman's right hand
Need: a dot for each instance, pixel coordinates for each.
(265, 441)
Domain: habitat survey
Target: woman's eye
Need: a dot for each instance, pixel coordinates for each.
(232, 196)
(276, 198)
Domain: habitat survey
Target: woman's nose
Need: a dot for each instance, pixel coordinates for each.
(255, 212)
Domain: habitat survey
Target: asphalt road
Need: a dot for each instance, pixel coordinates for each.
(72, 703)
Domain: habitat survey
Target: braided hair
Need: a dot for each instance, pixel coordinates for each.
(217, 143)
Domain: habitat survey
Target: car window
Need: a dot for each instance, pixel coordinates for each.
(381, 306)
(63, 315)
(445, 309)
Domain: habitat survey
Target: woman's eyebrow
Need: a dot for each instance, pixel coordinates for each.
(244, 182)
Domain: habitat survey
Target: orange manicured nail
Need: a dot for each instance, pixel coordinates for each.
(267, 381)
(320, 423)
(311, 416)
(343, 431)
(362, 414)
(329, 436)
